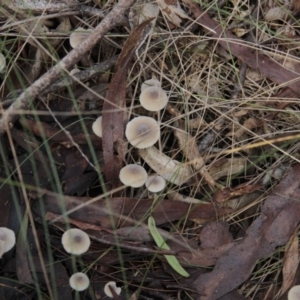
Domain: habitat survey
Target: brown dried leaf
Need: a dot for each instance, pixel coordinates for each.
(249, 124)
(290, 263)
(135, 233)
(233, 296)
(128, 211)
(228, 166)
(203, 257)
(142, 11)
(228, 193)
(278, 221)
(79, 184)
(172, 10)
(295, 6)
(190, 150)
(215, 234)
(82, 225)
(74, 180)
(197, 123)
(254, 75)
(276, 13)
(64, 26)
(114, 107)
(248, 203)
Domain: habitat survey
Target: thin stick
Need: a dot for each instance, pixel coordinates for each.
(112, 19)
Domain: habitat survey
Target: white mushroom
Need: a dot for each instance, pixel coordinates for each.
(142, 132)
(155, 183)
(78, 36)
(294, 293)
(75, 241)
(133, 175)
(150, 82)
(79, 281)
(97, 126)
(113, 285)
(7, 239)
(2, 62)
(153, 98)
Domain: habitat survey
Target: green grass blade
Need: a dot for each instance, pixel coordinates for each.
(160, 242)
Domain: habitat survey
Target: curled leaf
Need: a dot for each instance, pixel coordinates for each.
(172, 11)
(160, 242)
(190, 150)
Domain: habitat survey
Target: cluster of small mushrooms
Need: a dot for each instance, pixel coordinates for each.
(77, 242)
(142, 132)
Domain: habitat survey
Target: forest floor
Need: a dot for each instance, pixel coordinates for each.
(225, 143)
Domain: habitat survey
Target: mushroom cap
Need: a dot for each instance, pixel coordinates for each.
(78, 36)
(294, 293)
(148, 83)
(79, 281)
(7, 238)
(153, 98)
(2, 62)
(97, 126)
(133, 175)
(114, 286)
(155, 183)
(142, 132)
(75, 241)
(74, 71)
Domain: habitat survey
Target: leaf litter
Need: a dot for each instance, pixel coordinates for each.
(278, 220)
(230, 210)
